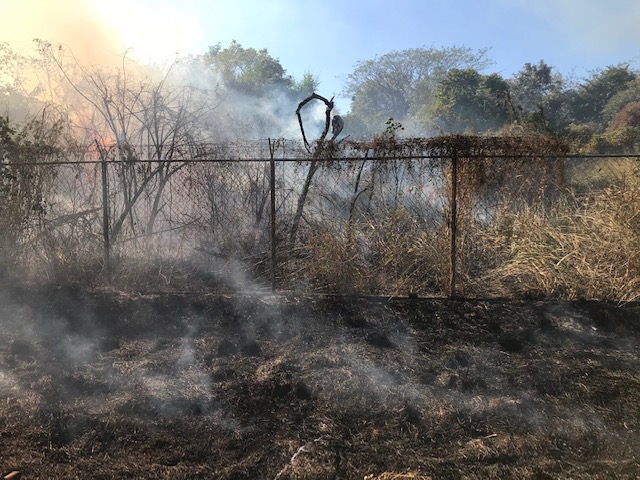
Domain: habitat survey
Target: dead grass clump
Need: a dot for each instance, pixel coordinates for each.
(408, 257)
(394, 254)
(581, 248)
(332, 262)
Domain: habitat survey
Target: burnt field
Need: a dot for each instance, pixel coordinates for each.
(104, 385)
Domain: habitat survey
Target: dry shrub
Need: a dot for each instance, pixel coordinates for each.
(75, 255)
(393, 255)
(331, 262)
(581, 248)
(407, 256)
(69, 253)
(152, 264)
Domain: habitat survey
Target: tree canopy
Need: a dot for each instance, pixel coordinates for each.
(397, 83)
(248, 70)
(465, 100)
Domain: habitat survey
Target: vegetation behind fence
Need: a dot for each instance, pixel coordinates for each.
(446, 216)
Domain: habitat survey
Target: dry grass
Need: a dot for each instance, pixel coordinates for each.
(581, 248)
(392, 254)
(576, 247)
(529, 224)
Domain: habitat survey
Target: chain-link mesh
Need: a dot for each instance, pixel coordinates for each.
(356, 222)
(364, 225)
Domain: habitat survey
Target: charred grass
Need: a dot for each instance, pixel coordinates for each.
(104, 385)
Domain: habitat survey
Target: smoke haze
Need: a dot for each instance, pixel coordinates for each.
(73, 23)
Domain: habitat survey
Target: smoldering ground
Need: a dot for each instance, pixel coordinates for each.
(105, 385)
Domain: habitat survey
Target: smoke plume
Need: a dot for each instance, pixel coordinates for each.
(73, 23)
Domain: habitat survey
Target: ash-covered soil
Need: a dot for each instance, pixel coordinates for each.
(102, 385)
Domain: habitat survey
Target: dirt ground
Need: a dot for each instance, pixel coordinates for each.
(103, 385)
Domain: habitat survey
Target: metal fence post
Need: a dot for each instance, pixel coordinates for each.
(454, 223)
(272, 187)
(105, 211)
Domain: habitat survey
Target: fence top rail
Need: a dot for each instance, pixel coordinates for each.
(307, 159)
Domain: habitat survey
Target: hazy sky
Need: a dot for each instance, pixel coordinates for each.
(329, 38)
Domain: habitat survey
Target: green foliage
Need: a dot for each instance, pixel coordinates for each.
(306, 86)
(539, 98)
(533, 85)
(467, 101)
(248, 70)
(398, 83)
(591, 98)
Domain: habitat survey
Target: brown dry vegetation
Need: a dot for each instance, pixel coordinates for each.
(581, 248)
(99, 384)
(529, 224)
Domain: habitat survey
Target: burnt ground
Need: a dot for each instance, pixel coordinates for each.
(103, 385)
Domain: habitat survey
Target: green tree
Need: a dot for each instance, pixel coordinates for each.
(539, 98)
(467, 101)
(631, 93)
(533, 85)
(397, 84)
(248, 70)
(306, 86)
(623, 132)
(589, 100)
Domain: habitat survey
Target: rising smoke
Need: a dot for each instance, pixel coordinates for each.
(73, 23)
(98, 40)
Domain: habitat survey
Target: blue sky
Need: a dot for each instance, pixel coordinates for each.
(329, 38)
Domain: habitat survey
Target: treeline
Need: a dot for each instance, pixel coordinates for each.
(433, 91)
(235, 93)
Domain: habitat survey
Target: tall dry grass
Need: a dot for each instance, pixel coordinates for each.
(585, 247)
(575, 247)
(391, 254)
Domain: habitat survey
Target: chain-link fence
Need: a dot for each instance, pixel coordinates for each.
(409, 220)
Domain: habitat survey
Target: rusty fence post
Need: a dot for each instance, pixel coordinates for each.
(453, 224)
(272, 187)
(105, 211)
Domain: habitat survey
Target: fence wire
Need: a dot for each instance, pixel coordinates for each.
(431, 225)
